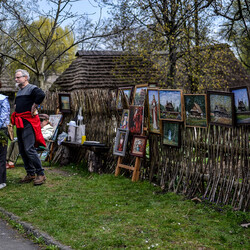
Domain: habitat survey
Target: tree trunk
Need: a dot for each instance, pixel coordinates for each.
(172, 67)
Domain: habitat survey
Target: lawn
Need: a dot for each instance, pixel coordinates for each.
(91, 211)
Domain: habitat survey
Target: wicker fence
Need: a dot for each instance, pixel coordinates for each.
(212, 163)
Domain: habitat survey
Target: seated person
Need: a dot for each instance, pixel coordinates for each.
(13, 150)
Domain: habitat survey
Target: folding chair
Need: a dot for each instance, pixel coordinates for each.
(45, 153)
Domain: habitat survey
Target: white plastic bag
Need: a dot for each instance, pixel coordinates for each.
(80, 131)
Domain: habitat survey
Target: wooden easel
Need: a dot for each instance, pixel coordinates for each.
(135, 168)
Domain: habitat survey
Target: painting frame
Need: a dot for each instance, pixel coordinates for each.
(64, 102)
(139, 144)
(195, 105)
(121, 141)
(121, 94)
(136, 119)
(221, 105)
(138, 98)
(124, 124)
(171, 105)
(242, 117)
(167, 138)
(154, 124)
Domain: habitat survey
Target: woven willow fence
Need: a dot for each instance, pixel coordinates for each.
(212, 163)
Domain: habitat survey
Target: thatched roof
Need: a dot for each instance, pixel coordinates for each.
(219, 68)
(101, 69)
(8, 83)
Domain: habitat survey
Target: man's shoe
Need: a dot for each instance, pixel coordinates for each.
(2, 185)
(9, 165)
(40, 179)
(27, 179)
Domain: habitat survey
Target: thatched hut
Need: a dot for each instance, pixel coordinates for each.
(8, 87)
(102, 70)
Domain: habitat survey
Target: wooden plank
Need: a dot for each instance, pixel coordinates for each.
(126, 167)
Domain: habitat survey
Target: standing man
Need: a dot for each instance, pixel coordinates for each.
(4, 121)
(28, 126)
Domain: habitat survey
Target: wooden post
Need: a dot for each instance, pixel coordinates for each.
(118, 170)
(135, 169)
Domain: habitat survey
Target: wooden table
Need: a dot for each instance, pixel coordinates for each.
(97, 154)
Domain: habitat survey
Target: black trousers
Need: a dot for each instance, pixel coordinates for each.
(3, 152)
(26, 141)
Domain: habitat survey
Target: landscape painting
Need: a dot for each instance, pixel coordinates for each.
(123, 97)
(171, 104)
(140, 94)
(241, 103)
(153, 111)
(221, 108)
(171, 133)
(195, 110)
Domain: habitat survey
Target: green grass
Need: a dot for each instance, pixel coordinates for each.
(106, 212)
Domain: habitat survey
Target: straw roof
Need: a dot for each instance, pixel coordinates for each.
(101, 69)
(8, 84)
(110, 69)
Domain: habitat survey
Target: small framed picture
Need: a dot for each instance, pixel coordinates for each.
(124, 96)
(171, 133)
(121, 141)
(153, 111)
(136, 118)
(124, 119)
(171, 104)
(112, 99)
(64, 102)
(195, 106)
(140, 93)
(220, 108)
(139, 145)
(241, 104)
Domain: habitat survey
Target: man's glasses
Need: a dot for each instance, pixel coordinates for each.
(17, 77)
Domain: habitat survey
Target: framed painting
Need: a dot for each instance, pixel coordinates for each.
(140, 93)
(153, 111)
(171, 133)
(171, 105)
(121, 141)
(124, 119)
(136, 118)
(124, 95)
(220, 108)
(241, 104)
(64, 102)
(139, 145)
(195, 110)
(112, 98)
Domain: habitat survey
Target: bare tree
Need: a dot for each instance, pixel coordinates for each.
(162, 25)
(20, 33)
(236, 25)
